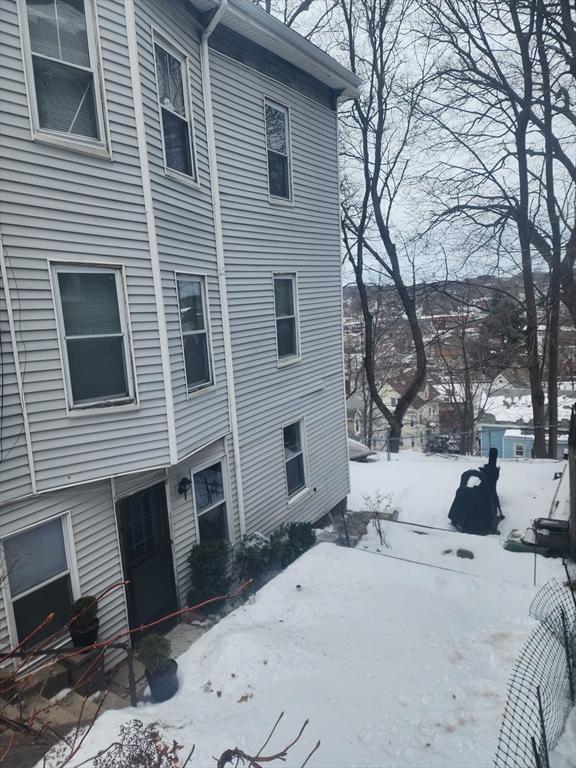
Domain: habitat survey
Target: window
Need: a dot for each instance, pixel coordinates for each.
(194, 328)
(173, 99)
(62, 67)
(94, 336)
(294, 458)
(210, 503)
(38, 579)
(278, 147)
(519, 450)
(286, 316)
(393, 401)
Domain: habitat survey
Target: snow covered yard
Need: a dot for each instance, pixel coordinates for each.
(395, 665)
(421, 488)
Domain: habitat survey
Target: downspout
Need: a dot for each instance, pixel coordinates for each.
(219, 243)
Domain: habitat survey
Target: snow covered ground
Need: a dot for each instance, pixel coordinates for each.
(397, 664)
(394, 664)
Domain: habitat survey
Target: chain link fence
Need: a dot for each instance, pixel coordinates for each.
(542, 690)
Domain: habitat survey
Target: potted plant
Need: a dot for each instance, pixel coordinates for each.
(161, 669)
(84, 624)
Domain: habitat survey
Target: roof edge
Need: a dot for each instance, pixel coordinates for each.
(322, 66)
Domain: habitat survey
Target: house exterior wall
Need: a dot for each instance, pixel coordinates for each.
(60, 205)
(184, 224)
(262, 238)
(96, 564)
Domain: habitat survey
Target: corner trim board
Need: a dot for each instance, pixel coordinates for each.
(151, 225)
(29, 451)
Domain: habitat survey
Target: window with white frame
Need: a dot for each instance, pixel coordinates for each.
(60, 48)
(294, 457)
(278, 148)
(285, 306)
(210, 503)
(519, 450)
(173, 99)
(194, 328)
(94, 335)
(38, 577)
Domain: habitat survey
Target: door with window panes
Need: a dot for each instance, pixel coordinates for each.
(147, 557)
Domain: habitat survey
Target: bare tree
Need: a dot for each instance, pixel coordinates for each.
(377, 130)
(510, 173)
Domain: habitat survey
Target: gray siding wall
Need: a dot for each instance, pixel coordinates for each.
(62, 205)
(14, 466)
(95, 542)
(261, 238)
(184, 224)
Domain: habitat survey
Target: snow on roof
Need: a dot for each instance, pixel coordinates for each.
(518, 408)
(514, 433)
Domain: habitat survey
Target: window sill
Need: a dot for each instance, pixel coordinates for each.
(100, 151)
(200, 390)
(281, 202)
(170, 173)
(299, 495)
(285, 362)
(96, 410)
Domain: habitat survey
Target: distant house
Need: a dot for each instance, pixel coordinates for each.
(513, 442)
(170, 301)
(420, 420)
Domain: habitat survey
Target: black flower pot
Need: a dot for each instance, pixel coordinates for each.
(165, 684)
(82, 638)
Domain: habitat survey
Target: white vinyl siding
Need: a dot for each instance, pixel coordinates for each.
(195, 331)
(61, 52)
(94, 335)
(175, 110)
(286, 314)
(278, 151)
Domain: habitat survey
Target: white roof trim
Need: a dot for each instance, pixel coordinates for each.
(252, 22)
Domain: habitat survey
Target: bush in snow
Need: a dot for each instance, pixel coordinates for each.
(254, 555)
(290, 541)
(139, 746)
(210, 571)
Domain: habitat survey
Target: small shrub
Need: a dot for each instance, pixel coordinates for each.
(290, 541)
(84, 612)
(254, 555)
(210, 571)
(154, 651)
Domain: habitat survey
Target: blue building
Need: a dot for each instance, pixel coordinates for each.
(512, 442)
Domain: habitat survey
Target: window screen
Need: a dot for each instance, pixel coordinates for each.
(94, 336)
(62, 66)
(195, 341)
(278, 151)
(174, 113)
(285, 308)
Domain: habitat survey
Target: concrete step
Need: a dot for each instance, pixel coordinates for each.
(109, 700)
(49, 680)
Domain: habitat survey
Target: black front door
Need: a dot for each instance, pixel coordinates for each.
(147, 558)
